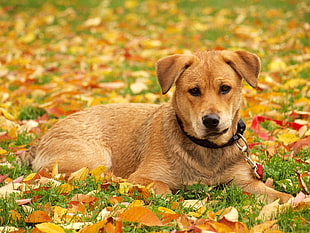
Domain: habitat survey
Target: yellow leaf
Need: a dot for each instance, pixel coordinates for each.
(98, 171)
(29, 37)
(124, 187)
(2, 151)
(55, 170)
(7, 115)
(277, 65)
(30, 177)
(287, 138)
(198, 213)
(136, 203)
(65, 188)
(130, 4)
(292, 83)
(59, 213)
(79, 175)
(166, 210)
(50, 228)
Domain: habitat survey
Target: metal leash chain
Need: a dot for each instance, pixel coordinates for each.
(254, 166)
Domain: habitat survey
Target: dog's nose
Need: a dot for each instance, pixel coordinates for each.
(211, 121)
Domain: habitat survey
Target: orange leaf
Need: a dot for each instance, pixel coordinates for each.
(37, 217)
(87, 199)
(141, 215)
(94, 228)
(235, 226)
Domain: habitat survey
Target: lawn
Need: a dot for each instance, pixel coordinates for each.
(58, 57)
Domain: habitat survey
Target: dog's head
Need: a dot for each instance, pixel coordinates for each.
(208, 89)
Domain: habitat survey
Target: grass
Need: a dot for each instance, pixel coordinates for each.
(46, 46)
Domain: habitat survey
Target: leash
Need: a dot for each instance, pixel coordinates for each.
(256, 167)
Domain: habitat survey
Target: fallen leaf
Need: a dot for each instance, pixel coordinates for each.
(94, 228)
(38, 216)
(141, 215)
(23, 201)
(50, 228)
(263, 227)
(232, 215)
(79, 175)
(287, 138)
(270, 211)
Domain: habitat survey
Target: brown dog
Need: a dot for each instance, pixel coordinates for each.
(193, 138)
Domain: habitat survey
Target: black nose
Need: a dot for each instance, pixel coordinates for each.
(211, 121)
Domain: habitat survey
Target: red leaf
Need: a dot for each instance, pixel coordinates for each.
(257, 128)
(298, 145)
(2, 178)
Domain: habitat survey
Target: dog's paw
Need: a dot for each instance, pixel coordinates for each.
(284, 197)
(160, 188)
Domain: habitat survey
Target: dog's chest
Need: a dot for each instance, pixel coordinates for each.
(207, 166)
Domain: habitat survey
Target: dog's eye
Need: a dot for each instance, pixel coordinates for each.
(194, 91)
(225, 89)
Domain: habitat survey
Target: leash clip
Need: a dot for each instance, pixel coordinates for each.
(257, 168)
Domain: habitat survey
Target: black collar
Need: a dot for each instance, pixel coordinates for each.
(208, 144)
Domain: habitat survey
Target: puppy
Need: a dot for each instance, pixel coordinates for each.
(195, 137)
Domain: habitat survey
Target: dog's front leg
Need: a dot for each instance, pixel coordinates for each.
(267, 193)
(244, 178)
(159, 187)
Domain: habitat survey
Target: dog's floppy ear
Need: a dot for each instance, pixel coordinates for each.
(246, 64)
(170, 68)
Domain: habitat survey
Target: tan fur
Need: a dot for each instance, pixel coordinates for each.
(144, 142)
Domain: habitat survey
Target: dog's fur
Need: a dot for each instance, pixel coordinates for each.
(145, 143)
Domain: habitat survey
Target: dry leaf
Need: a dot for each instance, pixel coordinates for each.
(271, 210)
(263, 227)
(79, 175)
(50, 228)
(94, 228)
(37, 217)
(141, 215)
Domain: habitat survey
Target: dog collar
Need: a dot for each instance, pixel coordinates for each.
(208, 144)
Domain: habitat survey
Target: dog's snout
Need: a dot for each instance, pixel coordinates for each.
(211, 121)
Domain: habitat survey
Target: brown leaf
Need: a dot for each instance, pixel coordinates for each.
(302, 184)
(141, 215)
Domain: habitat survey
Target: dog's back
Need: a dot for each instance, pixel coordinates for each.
(81, 138)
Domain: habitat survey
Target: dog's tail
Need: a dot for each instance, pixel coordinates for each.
(28, 156)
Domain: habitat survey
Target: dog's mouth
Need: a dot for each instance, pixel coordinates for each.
(215, 134)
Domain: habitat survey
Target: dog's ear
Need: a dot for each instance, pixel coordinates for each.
(246, 64)
(170, 68)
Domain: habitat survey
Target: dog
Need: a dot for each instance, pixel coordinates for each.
(190, 139)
